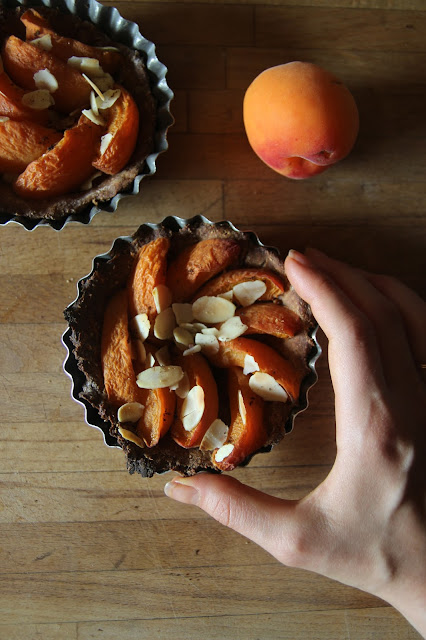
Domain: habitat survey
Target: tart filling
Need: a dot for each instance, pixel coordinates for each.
(194, 347)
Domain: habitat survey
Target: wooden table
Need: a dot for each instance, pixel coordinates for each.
(89, 552)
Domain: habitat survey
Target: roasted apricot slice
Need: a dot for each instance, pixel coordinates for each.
(11, 104)
(65, 167)
(149, 271)
(273, 319)
(121, 134)
(22, 60)
(246, 432)
(22, 142)
(198, 263)
(226, 281)
(199, 376)
(234, 352)
(37, 26)
(116, 354)
(158, 415)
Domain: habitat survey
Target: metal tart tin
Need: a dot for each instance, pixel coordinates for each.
(109, 21)
(173, 223)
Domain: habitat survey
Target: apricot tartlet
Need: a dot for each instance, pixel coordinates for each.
(79, 114)
(189, 348)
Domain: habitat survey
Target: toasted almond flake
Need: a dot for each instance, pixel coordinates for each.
(231, 329)
(215, 436)
(183, 312)
(39, 99)
(162, 297)
(105, 82)
(267, 387)
(182, 387)
(130, 412)
(44, 79)
(248, 292)
(44, 42)
(138, 350)
(140, 326)
(4, 118)
(195, 349)
(183, 336)
(159, 377)
(250, 365)
(105, 142)
(228, 295)
(192, 408)
(110, 96)
(131, 437)
(213, 309)
(88, 184)
(223, 452)
(93, 118)
(163, 356)
(109, 48)
(164, 324)
(93, 103)
(150, 361)
(242, 407)
(94, 86)
(210, 331)
(89, 66)
(189, 326)
(208, 343)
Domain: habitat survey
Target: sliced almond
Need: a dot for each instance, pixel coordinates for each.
(130, 412)
(231, 329)
(44, 42)
(108, 48)
(191, 350)
(228, 295)
(182, 387)
(110, 96)
(131, 437)
(267, 387)
(208, 343)
(138, 350)
(140, 326)
(163, 356)
(242, 407)
(93, 103)
(162, 297)
(159, 377)
(248, 292)
(105, 82)
(164, 324)
(212, 309)
(210, 331)
(44, 79)
(192, 408)
(105, 142)
(89, 66)
(250, 365)
(183, 337)
(39, 99)
(4, 118)
(149, 361)
(93, 117)
(215, 436)
(223, 452)
(183, 312)
(94, 86)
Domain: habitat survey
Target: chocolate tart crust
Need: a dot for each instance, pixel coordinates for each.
(110, 273)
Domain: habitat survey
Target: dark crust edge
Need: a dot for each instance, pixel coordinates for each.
(133, 76)
(110, 273)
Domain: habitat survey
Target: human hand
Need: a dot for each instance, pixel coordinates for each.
(365, 524)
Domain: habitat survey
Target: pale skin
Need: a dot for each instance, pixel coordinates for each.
(365, 524)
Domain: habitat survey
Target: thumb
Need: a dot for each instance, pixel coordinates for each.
(268, 521)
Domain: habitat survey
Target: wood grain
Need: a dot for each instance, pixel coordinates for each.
(88, 552)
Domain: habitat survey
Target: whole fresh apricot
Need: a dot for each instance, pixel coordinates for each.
(300, 119)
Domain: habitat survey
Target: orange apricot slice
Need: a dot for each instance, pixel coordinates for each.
(23, 142)
(116, 356)
(197, 264)
(233, 354)
(37, 26)
(158, 415)
(121, 134)
(149, 271)
(226, 281)
(22, 61)
(246, 432)
(273, 319)
(65, 167)
(199, 375)
(11, 104)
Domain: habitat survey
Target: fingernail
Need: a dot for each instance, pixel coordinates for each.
(299, 257)
(181, 489)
